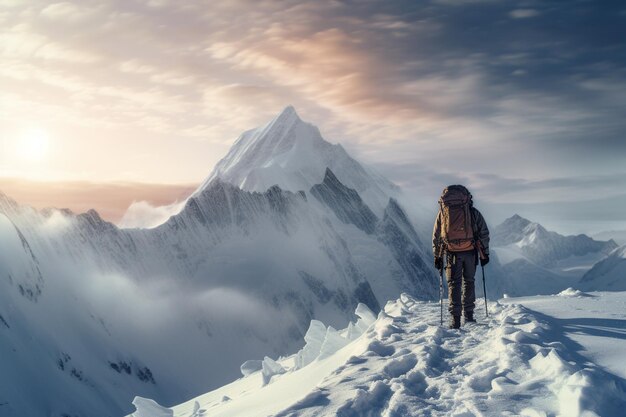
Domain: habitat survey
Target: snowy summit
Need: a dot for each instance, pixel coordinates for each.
(292, 154)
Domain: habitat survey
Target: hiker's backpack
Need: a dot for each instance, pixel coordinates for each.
(457, 225)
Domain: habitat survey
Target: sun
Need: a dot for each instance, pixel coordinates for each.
(33, 145)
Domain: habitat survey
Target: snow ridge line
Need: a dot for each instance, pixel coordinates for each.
(510, 365)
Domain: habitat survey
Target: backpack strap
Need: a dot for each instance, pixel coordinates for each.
(474, 225)
(476, 237)
(441, 244)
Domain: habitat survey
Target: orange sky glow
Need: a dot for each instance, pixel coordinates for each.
(112, 198)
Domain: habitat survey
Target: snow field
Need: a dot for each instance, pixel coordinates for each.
(593, 324)
(404, 364)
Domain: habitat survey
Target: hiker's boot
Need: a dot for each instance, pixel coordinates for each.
(455, 322)
(469, 317)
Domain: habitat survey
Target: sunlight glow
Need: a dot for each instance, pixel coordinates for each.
(32, 145)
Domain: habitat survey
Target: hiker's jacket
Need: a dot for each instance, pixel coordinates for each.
(480, 226)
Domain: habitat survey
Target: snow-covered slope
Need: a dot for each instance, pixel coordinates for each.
(56, 353)
(103, 313)
(522, 277)
(292, 154)
(609, 274)
(593, 323)
(518, 362)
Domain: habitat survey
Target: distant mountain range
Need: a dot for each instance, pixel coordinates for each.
(531, 260)
(544, 247)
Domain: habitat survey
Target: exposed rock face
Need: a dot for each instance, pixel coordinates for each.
(397, 233)
(345, 203)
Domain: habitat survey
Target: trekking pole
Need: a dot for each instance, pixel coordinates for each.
(485, 291)
(482, 255)
(441, 295)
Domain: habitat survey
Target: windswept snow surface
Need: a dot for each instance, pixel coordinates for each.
(594, 324)
(516, 362)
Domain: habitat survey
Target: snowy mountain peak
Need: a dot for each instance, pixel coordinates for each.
(292, 154)
(515, 222)
(288, 112)
(517, 218)
(515, 229)
(285, 129)
(259, 157)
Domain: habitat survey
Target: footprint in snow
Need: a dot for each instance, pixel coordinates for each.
(381, 349)
(400, 366)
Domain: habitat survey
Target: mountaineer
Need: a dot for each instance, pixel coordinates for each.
(461, 238)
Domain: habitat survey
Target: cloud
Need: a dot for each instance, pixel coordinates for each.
(497, 188)
(462, 2)
(523, 13)
(58, 52)
(135, 67)
(141, 214)
(11, 3)
(21, 41)
(56, 223)
(67, 12)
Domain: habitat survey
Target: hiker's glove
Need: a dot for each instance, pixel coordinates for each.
(438, 263)
(484, 261)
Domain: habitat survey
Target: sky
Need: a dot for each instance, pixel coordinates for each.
(107, 102)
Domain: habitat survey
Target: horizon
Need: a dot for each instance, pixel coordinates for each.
(152, 203)
(80, 196)
(125, 113)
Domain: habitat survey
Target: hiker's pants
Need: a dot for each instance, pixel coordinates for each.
(460, 271)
